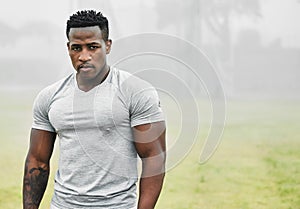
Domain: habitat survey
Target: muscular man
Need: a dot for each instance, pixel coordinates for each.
(103, 118)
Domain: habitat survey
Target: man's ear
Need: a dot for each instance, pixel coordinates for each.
(68, 47)
(108, 44)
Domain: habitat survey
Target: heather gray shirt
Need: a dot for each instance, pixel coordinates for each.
(98, 161)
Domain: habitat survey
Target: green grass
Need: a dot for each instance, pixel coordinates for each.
(257, 164)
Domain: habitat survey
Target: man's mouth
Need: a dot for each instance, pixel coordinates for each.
(85, 67)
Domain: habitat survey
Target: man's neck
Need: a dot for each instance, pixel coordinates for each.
(88, 84)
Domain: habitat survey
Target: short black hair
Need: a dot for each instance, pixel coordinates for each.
(87, 18)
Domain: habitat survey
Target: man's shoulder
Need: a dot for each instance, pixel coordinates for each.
(52, 89)
(128, 81)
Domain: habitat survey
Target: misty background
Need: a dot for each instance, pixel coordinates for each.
(254, 44)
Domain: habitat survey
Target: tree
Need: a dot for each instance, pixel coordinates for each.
(214, 16)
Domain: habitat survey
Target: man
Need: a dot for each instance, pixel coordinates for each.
(104, 118)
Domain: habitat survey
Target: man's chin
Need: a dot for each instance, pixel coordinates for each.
(86, 74)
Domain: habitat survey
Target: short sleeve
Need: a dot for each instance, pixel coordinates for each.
(40, 112)
(145, 107)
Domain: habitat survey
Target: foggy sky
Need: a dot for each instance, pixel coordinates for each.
(259, 51)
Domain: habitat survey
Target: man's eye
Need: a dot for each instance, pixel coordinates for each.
(93, 47)
(76, 48)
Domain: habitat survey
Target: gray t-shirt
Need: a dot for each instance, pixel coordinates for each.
(98, 161)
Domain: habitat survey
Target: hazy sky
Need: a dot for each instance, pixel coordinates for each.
(18, 12)
(279, 24)
(280, 17)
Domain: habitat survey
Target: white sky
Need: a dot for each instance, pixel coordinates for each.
(17, 13)
(280, 17)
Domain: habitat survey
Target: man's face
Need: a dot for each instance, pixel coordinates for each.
(87, 51)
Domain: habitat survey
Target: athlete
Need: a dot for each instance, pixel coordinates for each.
(103, 118)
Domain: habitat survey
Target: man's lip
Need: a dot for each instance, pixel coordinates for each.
(85, 66)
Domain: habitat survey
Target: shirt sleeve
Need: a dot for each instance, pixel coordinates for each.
(145, 106)
(40, 112)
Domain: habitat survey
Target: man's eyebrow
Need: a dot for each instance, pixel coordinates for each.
(74, 44)
(93, 43)
(88, 44)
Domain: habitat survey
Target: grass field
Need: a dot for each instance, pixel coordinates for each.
(256, 166)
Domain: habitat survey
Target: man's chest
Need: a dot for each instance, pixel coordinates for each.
(102, 108)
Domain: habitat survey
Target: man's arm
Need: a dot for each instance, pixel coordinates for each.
(37, 167)
(150, 145)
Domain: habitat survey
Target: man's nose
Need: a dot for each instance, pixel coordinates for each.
(85, 56)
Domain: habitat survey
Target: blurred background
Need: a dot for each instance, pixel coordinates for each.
(253, 43)
(255, 48)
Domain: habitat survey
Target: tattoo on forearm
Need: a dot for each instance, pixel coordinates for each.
(35, 182)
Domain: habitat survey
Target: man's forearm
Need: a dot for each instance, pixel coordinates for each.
(34, 184)
(151, 182)
(150, 188)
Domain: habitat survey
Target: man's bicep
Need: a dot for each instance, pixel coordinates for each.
(150, 139)
(41, 145)
(150, 146)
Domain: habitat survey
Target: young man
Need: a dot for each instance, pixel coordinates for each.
(104, 118)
